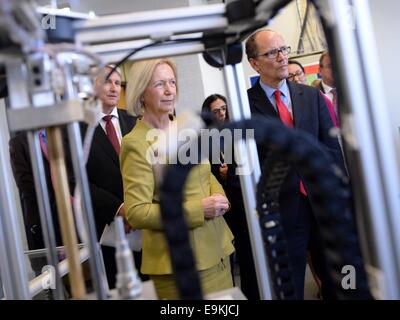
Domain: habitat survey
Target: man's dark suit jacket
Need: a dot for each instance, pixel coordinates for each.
(310, 115)
(105, 181)
(23, 174)
(104, 173)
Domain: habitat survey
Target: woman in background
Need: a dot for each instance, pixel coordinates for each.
(216, 104)
(151, 94)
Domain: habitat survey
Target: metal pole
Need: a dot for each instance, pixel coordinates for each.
(239, 109)
(65, 215)
(36, 284)
(46, 218)
(98, 275)
(1, 288)
(12, 262)
(368, 141)
(79, 166)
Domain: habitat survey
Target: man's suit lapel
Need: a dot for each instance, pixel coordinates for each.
(321, 87)
(297, 97)
(125, 122)
(101, 138)
(262, 105)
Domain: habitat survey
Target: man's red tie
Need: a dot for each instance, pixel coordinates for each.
(287, 120)
(111, 133)
(334, 102)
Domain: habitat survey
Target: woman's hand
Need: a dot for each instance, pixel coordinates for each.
(223, 171)
(121, 213)
(215, 205)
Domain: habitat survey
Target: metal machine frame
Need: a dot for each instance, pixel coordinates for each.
(368, 141)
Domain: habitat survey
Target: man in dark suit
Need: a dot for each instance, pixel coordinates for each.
(274, 97)
(23, 175)
(325, 70)
(103, 169)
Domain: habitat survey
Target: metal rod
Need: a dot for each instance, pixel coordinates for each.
(98, 275)
(368, 140)
(79, 165)
(139, 25)
(36, 284)
(306, 54)
(63, 199)
(239, 109)
(40, 252)
(12, 260)
(116, 51)
(128, 283)
(46, 218)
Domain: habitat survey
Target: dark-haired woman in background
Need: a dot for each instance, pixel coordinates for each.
(216, 104)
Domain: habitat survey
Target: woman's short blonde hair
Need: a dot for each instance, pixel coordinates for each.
(138, 80)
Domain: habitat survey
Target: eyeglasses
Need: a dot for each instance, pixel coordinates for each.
(220, 109)
(298, 73)
(273, 54)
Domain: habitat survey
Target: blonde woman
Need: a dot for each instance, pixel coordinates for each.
(151, 94)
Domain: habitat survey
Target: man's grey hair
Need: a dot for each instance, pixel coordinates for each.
(117, 69)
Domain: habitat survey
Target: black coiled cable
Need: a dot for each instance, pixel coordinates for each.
(268, 189)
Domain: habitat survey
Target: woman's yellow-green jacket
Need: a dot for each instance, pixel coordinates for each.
(211, 239)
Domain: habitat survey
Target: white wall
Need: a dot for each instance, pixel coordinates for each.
(213, 78)
(191, 92)
(386, 22)
(287, 23)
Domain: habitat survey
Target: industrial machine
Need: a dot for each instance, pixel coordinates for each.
(49, 83)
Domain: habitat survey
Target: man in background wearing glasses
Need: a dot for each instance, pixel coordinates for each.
(301, 107)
